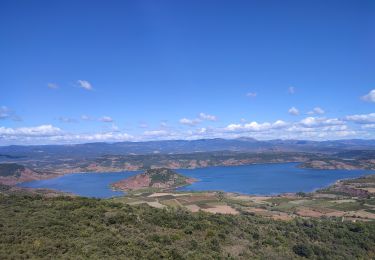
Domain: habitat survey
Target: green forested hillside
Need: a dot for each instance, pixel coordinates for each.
(81, 228)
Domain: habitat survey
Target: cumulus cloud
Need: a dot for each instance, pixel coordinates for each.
(207, 117)
(361, 119)
(329, 132)
(106, 119)
(49, 134)
(189, 122)
(293, 111)
(320, 121)
(279, 124)
(37, 131)
(368, 126)
(291, 90)
(84, 84)
(52, 85)
(314, 128)
(201, 117)
(316, 111)
(251, 94)
(370, 97)
(255, 126)
(156, 133)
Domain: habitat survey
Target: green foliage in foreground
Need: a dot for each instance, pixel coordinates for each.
(81, 228)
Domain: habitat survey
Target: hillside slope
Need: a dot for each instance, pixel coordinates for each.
(13, 173)
(80, 228)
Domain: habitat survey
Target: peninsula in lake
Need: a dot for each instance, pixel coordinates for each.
(159, 179)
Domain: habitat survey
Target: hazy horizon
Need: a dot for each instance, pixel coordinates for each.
(191, 140)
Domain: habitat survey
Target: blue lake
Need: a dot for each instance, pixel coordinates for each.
(259, 179)
(265, 179)
(83, 184)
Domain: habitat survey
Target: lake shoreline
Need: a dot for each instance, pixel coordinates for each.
(213, 175)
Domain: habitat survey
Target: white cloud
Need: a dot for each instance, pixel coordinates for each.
(201, 117)
(293, 111)
(156, 133)
(207, 117)
(106, 119)
(251, 94)
(279, 124)
(361, 119)
(291, 90)
(316, 128)
(96, 137)
(49, 134)
(370, 97)
(189, 122)
(202, 130)
(52, 85)
(320, 121)
(317, 111)
(368, 126)
(255, 126)
(84, 84)
(42, 130)
(309, 128)
(312, 128)
(234, 127)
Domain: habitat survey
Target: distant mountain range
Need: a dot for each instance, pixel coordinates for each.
(90, 150)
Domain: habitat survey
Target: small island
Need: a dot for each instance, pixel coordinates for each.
(160, 178)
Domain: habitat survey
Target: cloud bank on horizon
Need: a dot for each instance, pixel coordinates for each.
(167, 70)
(311, 128)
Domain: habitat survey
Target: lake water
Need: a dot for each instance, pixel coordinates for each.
(83, 184)
(259, 179)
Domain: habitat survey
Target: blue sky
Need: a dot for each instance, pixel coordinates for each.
(85, 71)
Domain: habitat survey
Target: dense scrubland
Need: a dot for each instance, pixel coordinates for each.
(34, 226)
